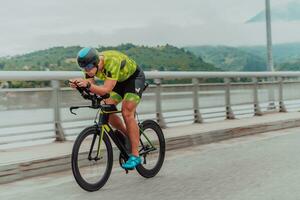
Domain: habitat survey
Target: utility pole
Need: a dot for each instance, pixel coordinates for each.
(269, 36)
(270, 64)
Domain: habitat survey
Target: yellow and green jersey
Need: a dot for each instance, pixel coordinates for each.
(117, 66)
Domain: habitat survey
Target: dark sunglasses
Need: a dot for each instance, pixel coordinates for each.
(87, 66)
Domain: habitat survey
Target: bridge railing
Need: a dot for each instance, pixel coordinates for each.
(204, 96)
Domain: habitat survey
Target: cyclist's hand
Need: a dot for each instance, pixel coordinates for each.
(82, 82)
(72, 83)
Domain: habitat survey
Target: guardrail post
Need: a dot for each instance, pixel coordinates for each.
(271, 94)
(159, 114)
(282, 107)
(257, 110)
(60, 136)
(197, 114)
(229, 112)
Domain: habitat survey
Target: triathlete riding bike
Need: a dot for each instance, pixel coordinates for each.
(124, 80)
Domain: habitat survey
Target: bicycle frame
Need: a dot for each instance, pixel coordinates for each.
(103, 127)
(152, 146)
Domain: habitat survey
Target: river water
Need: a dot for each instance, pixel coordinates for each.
(27, 117)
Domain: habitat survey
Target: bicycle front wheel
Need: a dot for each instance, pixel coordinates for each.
(91, 167)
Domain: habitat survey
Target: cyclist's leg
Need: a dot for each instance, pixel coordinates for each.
(114, 119)
(117, 123)
(133, 93)
(128, 112)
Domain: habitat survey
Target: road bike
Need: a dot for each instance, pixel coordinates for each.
(93, 154)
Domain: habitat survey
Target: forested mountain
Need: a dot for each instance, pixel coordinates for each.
(250, 58)
(230, 58)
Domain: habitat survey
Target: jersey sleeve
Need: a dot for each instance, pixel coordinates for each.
(112, 70)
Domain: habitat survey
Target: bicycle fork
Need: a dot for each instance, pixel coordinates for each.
(98, 155)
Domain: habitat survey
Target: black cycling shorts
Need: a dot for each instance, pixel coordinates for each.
(130, 89)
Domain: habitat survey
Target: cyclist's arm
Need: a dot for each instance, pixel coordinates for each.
(106, 88)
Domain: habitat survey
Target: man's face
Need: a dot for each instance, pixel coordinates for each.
(91, 72)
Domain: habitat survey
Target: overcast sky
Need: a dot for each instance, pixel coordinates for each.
(30, 25)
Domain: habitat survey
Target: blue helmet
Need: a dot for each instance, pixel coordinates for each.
(88, 58)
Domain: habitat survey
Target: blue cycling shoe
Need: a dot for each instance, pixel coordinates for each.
(132, 162)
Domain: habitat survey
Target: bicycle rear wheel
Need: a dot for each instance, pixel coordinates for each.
(152, 149)
(90, 168)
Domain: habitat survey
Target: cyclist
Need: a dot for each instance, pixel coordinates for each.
(124, 80)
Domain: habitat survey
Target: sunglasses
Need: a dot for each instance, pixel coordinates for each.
(87, 66)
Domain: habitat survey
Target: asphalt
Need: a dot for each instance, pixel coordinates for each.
(258, 167)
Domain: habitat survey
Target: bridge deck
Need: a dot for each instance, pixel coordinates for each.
(25, 162)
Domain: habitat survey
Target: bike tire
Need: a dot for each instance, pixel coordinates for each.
(149, 173)
(74, 160)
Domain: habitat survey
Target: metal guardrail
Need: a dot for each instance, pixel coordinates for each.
(258, 79)
(64, 75)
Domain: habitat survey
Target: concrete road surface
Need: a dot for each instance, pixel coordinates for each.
(264, 166)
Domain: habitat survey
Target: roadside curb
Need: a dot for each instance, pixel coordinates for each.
(225, 134)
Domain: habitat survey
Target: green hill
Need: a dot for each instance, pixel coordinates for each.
(289, 66)
(229, 58)
(286, 56)
(162, 58)
(250, 58)
(282, 53)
